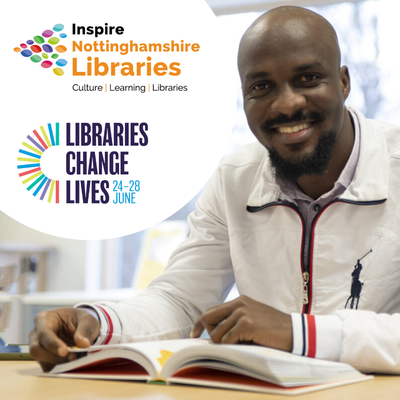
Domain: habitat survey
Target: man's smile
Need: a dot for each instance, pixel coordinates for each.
(292, 129)
(294, 132)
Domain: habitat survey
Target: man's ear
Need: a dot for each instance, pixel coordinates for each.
(345, 81)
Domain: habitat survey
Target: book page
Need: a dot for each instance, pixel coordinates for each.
(264, 363)
(156, 352)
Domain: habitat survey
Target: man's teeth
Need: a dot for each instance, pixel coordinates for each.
(293, 129)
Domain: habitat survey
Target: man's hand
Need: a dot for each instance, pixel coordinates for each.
(246, 320)
(55, 330)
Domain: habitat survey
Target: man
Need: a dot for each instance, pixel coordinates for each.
(290, 225)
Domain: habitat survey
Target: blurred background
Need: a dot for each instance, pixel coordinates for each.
(39, 271)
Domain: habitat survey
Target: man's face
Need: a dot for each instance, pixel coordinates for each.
(294, 97)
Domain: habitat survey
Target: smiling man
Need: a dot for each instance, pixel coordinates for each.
(294, 92)
(306, 222)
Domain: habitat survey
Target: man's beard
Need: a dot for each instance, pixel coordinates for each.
(311, 164)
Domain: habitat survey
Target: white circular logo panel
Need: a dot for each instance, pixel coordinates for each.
(116, 115)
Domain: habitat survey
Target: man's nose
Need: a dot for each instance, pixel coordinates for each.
(288, 101)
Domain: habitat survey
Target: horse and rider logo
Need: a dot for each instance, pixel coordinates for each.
(356, 284)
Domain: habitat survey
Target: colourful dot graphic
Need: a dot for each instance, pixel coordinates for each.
(58, 27)
(46, 64)
(36, 58)
(61, 62)
(26, 53)
(39, 51)
(48, 33)
(38, 39)
(54, 40)
(58, 71)
(61, 48)
(36, 49)
(29, 167)
(47, 48)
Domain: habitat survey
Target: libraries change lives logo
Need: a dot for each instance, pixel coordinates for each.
(45, 49)
(90, 176)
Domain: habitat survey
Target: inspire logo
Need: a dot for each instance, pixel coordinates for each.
(38, 51)
(31, 172)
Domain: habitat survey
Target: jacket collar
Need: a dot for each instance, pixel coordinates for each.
(370, 182)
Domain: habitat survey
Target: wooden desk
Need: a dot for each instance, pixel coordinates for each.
(19, 381)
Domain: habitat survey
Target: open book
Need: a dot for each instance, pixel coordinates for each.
(202, 363)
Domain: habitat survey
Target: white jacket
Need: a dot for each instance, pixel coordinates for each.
(245, 230)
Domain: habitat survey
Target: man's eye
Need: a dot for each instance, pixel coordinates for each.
(308, 78)
(260, 86)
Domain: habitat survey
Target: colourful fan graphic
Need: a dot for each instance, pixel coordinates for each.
(29, 166)
(38, 51)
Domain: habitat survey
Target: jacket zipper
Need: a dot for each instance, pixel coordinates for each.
(306, 279)
(307, 272)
